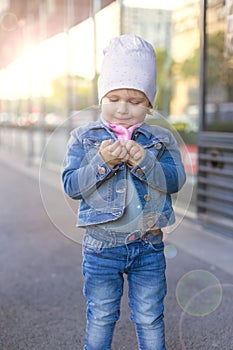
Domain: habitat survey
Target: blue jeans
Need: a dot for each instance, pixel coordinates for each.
(103, 268)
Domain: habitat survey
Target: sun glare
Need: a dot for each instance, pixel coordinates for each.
(32, 73)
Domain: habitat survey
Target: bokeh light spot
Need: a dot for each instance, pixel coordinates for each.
(170, 251)
(199, 292)
(9, 21)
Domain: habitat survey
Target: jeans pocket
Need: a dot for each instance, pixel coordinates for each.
(155, 241)
(158, 247)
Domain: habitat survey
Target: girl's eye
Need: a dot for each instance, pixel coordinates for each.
(134, 102)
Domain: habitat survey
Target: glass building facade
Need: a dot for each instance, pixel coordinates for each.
(215, 139)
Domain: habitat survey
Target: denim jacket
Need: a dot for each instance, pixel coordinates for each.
(102, 190)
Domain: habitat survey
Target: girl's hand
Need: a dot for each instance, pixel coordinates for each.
(135, 152)
(113, 153)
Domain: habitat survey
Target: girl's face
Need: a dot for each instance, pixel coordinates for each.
(126, 107)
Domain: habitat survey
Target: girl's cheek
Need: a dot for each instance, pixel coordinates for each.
(107, 109)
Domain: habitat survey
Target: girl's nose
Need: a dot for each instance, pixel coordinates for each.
(122, 107)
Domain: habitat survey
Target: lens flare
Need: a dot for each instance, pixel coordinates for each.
(199, 293)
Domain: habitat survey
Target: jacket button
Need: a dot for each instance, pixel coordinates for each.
(158, 145)
(139, 171)
(147, 197)
(101, 170)
(150, 223)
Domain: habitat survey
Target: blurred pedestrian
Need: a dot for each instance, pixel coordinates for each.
(124, 171)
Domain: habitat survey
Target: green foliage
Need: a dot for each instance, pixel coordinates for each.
(164, 81)
(73, 90)
(182, 129)
(219, 66)
(56, 103)
(190, 67)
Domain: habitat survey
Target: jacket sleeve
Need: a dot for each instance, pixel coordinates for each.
(81, 176)
(165, 174)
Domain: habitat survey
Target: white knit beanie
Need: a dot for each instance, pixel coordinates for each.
(129, 63)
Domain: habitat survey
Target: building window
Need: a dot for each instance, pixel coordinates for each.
(219, 68)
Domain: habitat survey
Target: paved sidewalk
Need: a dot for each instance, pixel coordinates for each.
(41, 302)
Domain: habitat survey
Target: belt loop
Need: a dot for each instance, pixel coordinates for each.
(113, 235)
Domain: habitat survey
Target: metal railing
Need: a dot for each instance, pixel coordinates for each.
(215, 180)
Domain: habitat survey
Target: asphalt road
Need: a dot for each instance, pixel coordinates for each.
(41, 302)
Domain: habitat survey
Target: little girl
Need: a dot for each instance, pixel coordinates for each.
(124, 171)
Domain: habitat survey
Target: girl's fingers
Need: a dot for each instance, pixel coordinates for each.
(129, 144)
(122, 151)
(138, 155)
(117, 152)
(114, 146)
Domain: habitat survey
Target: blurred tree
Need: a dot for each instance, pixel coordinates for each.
(56, 103)
(190, 67)
(78, 94)
(219, 65)
(164, 81)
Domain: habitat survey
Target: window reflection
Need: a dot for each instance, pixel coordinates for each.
(219, 74)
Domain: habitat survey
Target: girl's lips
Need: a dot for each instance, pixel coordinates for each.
(122, 120)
